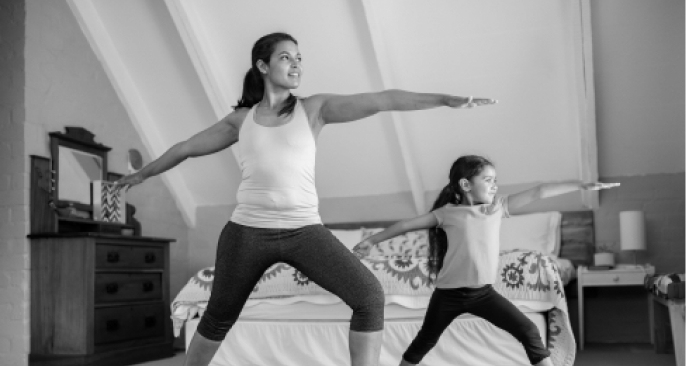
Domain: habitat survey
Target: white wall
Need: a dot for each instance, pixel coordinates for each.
(638, 49)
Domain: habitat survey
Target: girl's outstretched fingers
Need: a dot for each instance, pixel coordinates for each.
(476, 102)
(483, 101)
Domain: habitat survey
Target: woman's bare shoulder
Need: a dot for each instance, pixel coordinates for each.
(236, 117)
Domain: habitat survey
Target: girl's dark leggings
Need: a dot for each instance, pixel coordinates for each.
(447, 304)
(244, 254)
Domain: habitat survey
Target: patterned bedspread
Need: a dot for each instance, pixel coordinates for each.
(522, 275)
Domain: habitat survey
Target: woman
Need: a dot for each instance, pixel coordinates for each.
(277, 218)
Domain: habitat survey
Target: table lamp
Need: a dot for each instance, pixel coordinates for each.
(632, 231)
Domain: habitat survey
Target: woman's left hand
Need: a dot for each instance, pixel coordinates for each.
(595, 186)
(469, 102)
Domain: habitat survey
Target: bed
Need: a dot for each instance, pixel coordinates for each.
(289, 320)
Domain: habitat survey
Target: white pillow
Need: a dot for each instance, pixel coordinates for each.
(349, 237)
(537, 231)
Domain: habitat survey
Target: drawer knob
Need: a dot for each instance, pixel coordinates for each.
(148, 287)
(150, 321)
(112, 257)
(112, 325)
(149, 257)
(615, 279)
(112, 288)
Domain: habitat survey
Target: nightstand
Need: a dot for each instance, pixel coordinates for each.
(622, 275)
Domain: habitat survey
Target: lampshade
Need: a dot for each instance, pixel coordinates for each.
(632, 229)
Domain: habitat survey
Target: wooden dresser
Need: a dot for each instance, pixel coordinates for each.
(99, 290)
(99, 299)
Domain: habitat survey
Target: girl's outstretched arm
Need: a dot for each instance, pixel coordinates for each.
(344, 108)
(548, 190)
(425, 221)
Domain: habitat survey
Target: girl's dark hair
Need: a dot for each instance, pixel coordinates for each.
(253, 84)
(465, 167)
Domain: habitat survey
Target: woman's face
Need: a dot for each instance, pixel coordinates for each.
(284, 69)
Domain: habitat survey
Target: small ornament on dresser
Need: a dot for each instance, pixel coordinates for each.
(109, 204)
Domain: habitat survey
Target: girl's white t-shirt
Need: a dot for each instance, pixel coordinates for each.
(473, 243)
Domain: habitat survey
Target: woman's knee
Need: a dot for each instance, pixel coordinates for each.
(368, 312)
(213, 328)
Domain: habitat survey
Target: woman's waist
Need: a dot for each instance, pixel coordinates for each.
(277, 198)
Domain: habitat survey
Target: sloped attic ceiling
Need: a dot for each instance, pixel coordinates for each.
(178, 67)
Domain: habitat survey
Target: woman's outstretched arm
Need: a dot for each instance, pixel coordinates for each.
(344, 108)
(547, 190)
(425, 221)
(217, 137)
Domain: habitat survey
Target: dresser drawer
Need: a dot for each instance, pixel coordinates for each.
(148, 320)
(110, 256)
(613, 278)
(113, 324)
(147, 257)
(127, 287)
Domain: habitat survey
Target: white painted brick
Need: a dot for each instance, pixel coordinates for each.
(5, 216)
(20, 180)
(5, 149)
(5, 311)
(19, 214)
(13, 262)
(14, 359)
(5, 181)
(5, 345)
(17, 278)
(19, 312)
(12, 197)
(18, 147)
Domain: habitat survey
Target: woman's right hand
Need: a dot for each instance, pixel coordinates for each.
(363, 249)
(127, 181)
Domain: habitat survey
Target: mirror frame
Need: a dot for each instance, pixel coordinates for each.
(80, 139)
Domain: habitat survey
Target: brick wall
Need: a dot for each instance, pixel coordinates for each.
(14, 254)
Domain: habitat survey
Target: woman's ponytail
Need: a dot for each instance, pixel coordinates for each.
(253, 89)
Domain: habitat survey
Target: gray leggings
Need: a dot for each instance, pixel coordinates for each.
(244, 254)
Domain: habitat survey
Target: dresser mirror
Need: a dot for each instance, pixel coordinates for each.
(77, 160)
(77, 170)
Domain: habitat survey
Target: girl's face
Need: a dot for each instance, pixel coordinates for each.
(481, 189)
(284, 69)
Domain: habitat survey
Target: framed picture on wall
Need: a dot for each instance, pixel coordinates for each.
(109, 204)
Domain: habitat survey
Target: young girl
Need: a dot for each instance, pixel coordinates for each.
(464, 231)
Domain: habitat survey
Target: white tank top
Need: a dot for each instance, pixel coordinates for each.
(277, 165)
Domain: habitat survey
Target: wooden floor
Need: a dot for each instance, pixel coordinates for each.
(592, 355)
